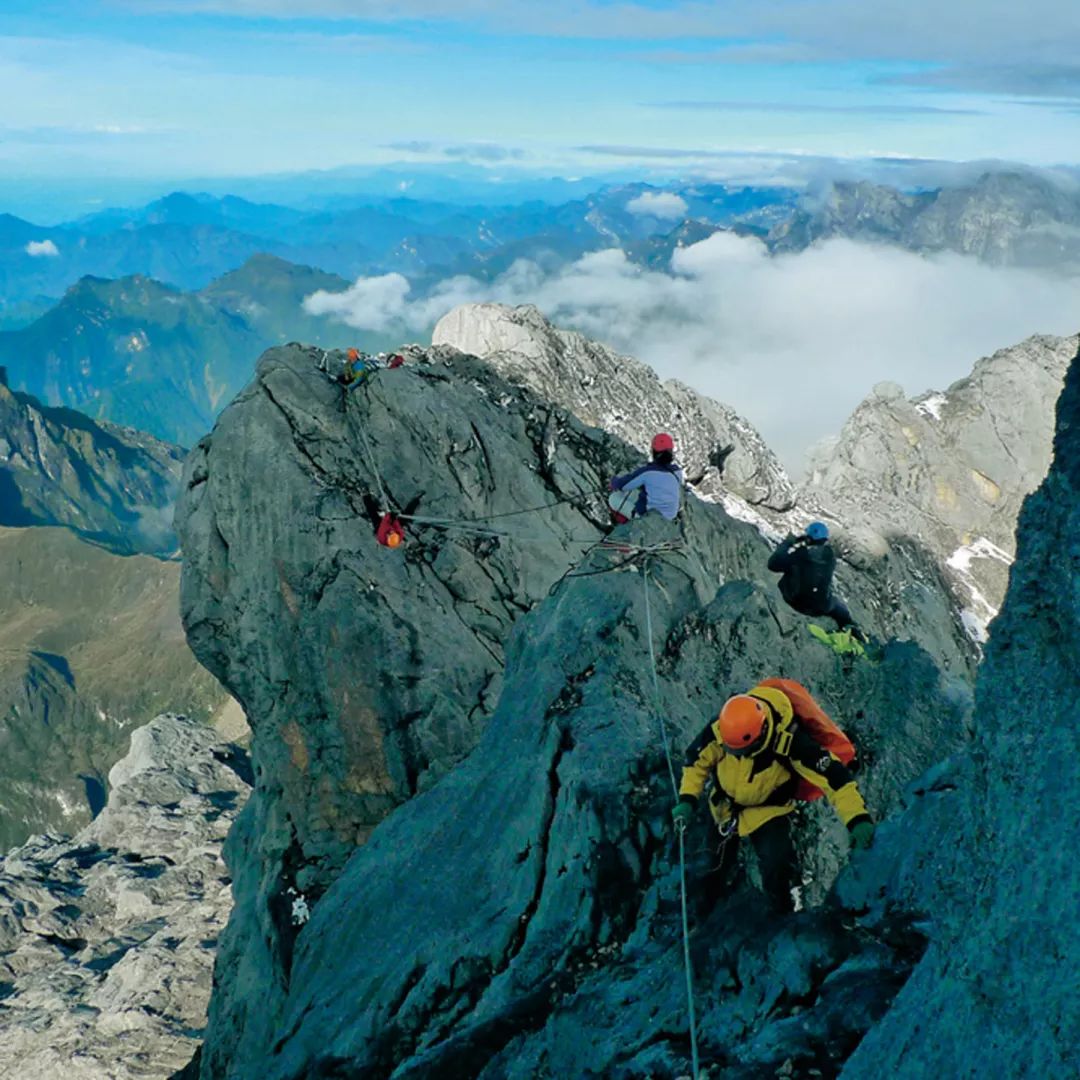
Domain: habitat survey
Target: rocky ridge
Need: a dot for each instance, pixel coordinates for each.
(997, 988)
(368, 674)
(1004, 218)
(107, 938)
(110, 485)
(947, 468)
(720, 450)
(951, 468)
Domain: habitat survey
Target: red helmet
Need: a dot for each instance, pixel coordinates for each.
(663, 441)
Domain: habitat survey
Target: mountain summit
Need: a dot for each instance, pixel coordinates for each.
(460, 766)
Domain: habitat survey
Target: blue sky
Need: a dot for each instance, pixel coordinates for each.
(177, 88)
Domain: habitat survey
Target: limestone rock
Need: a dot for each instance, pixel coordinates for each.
(719, 449)
(107, 938)
(951, 468)
(985, 856)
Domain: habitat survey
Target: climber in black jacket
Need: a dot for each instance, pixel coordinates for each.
(807, 564)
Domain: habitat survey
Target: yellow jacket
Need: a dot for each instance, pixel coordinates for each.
(760, 788)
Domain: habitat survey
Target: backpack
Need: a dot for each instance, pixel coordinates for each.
(807, 584)
(813, 720)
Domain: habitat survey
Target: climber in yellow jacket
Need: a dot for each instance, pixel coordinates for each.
(762, 755)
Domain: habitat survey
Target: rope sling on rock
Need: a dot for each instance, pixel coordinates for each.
(657, 708)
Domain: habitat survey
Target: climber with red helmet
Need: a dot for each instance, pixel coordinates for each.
(768, 748)
(807, 564)
(658, 484)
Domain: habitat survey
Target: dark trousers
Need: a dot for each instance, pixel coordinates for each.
(775, 858)
(838, 612)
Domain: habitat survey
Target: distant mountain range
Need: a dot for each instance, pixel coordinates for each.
(1004, 218)
(188, 240)
(151, 357)
(208, 283)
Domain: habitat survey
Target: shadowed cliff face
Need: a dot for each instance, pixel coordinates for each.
(526, 900)
(987, 851)
(111, 485)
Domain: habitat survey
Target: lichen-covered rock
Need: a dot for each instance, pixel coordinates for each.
(107, 938)
(531, 896)
(509, 734)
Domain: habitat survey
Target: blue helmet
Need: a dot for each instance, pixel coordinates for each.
(817, 531)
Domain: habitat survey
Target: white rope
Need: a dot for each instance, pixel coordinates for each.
(658, 708)
(385, 507)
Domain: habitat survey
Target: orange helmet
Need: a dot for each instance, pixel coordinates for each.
(393, 540)
(743, 721)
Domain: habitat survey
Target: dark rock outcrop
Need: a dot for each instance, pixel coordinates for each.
(518, 915)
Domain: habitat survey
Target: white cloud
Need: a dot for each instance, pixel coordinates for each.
(665, 205)
(375, 303)
(40, 248)
(793, 342)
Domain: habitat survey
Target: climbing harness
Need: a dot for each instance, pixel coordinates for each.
(681, 830)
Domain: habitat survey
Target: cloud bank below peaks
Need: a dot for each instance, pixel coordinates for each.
(793, 342)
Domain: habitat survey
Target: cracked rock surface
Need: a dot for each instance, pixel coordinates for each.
(107, 938)
(984, 856)
(951, 468)
(720, 450)
(460, 776)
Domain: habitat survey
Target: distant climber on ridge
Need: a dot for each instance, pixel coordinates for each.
(807, 564)
(358, 366)
(768, 748)
(658, 483)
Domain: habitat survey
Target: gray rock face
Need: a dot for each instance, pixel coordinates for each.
(986, 853)
(497, 918)
(1018, 219)
(109, 484)
(366, 672)
(532, 894)
(107, 938)
(951, 468)
(623, 396)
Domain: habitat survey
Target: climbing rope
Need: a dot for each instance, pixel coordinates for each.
(658, 709)
(384, 501)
